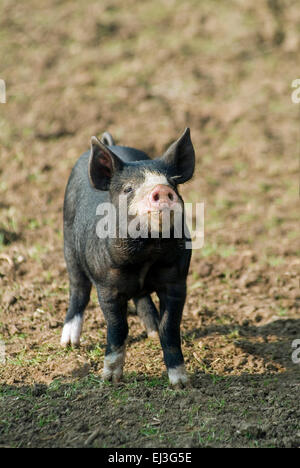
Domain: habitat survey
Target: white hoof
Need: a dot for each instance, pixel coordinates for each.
(113, 365)
(178, 376)
(72, 331)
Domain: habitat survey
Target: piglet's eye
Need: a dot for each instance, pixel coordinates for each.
(127, 189)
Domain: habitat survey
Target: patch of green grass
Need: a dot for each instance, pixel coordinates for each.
(240, 166)
(265, 187)
(275, 261)
(34, 224)
(33, 177)
(213, 182)
(71, 389)
(205, 435)
(247, 217)
(282, 311)
(149, 406)
(208, 249)
(94, 297)
(216, 378)
(169, 391)
(196, 285)
(149, 431)
(1, 240)
(44, 353)
(3, 186)
(233, 335)
(37, 251)
(54, 385)
(155, 382)
(119, 396)
(292, 235)
(5, 425)
(195, 275)
(44, 420)
(48, 276)
(189, 337)
(224, 204)
(20, 393)
(153, 344)
(227, 251)
(97, 352)
(274, 222)
(216, 403)
(131, 380)
(28, 131)
(221, 249)
(20, 336)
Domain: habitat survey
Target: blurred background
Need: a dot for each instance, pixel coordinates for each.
(144, 71)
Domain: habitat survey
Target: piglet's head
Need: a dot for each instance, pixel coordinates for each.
(149, 185)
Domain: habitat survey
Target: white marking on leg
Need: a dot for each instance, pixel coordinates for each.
(113, 365)
(178, 375)
(153, 335)
(72, 331)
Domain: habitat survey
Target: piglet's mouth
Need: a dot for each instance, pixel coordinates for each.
(163, 211)
(160, 211)
(162, 215)
(141, 211)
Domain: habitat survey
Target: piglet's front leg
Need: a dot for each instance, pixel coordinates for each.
(172, 300)
(115, 313)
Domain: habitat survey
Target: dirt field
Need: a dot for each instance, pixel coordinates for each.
(144, 71)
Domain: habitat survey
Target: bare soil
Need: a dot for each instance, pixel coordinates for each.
(144, 71)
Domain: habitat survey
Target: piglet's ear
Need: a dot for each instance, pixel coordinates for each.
(181, 156)
(103, 163)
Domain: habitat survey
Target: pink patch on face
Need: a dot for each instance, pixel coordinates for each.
(154, 195)
(159, 198)
(162, 197)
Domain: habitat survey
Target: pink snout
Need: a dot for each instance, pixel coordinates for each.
(162, 197)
